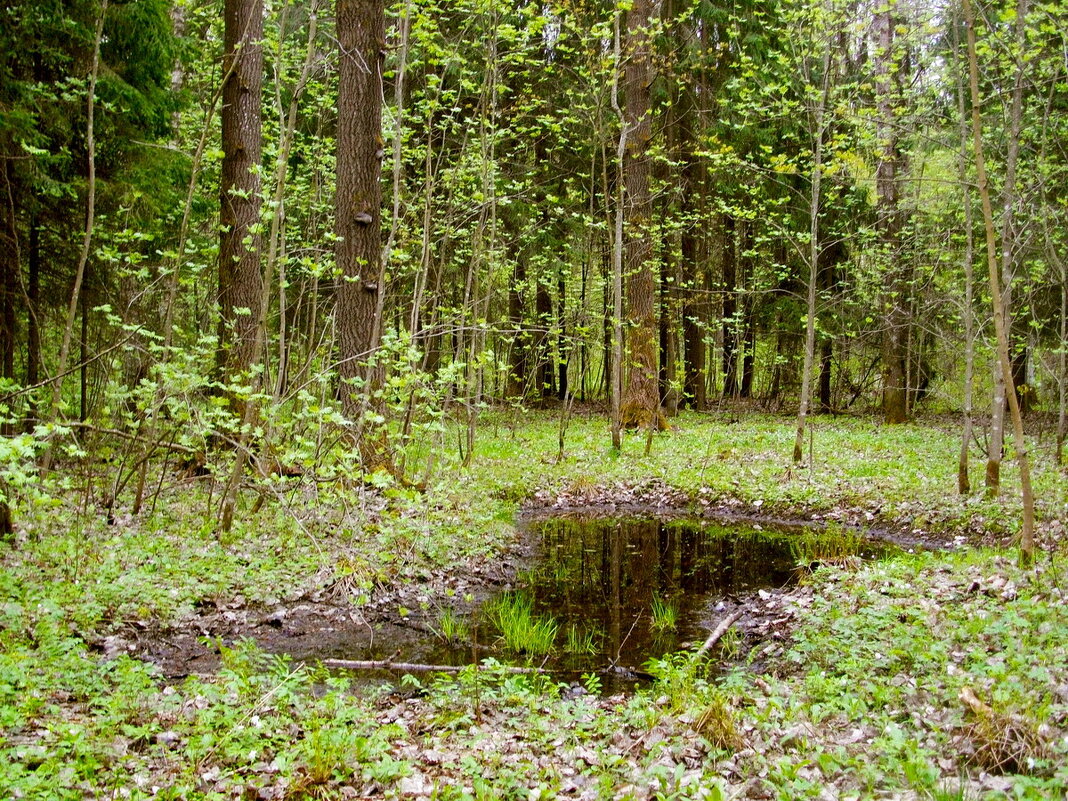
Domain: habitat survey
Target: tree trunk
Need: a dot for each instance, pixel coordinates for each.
(240, 282)
(890, 221)
(997, 300)
(729, 275)
(1021, 382)
(9, 281)
(640, 405)
(815, 199)
(1062, 372)
(33, 325)
(747, 312)
(1003, 381)
(358, 201)
(517, 375)
(615, 360)
(826, 361)
(87, 238)
(694, 304)
(964, 484)
(546, 376)
(563, 355)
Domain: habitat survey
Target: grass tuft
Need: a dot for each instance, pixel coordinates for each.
(664, 613)
(523, 631)
(716, 724)
(452, 627)
(831, 546)
(1002, 742)
(580, 640)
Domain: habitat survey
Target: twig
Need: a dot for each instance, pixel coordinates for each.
(630, 631)
(170, 446)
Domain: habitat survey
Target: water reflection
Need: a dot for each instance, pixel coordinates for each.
(603, 575)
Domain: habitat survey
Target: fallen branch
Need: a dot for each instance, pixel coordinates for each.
(411, 667)
(153, 443)
(719, 631)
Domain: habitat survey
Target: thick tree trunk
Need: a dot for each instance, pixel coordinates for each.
(240, 282)
(640, 405)
(358, 200)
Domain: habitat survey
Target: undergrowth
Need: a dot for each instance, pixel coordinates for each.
(867, 697)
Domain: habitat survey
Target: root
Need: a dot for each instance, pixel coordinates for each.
(633, 415)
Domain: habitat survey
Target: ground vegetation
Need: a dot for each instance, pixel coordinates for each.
(305, 306)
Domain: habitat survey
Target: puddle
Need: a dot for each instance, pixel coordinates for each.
(610, 591)
(620, 591)
(611, 578)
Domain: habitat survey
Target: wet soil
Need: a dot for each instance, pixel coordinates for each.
(593, 568)
(326, 624)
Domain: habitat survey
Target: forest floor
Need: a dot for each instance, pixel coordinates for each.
(136, 659)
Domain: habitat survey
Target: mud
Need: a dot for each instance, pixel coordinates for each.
(328, 625)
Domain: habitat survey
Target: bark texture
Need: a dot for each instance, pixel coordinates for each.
(358, 202)
(240, 282)
(640, 404)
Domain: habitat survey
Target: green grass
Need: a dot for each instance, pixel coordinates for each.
(831, 545)
(452, 627)
(524, 632)
(884, 649)
(664, 614)
(580, 640)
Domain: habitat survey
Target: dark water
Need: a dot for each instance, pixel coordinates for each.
(599, 578)
(603, 576)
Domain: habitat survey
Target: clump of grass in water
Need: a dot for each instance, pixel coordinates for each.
(452, 628)
(665, 614)
(523, 631)
(580, 640)
(832, 546)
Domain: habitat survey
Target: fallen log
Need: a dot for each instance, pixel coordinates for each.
(718, 632)
(411, 667)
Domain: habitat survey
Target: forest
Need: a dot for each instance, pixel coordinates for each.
(494, 399)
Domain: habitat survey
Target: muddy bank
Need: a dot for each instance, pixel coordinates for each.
(332, 622)
(403, 623)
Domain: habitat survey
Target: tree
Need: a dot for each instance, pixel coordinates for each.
(240, 280)
(997, 298)
(889, 71)
(640, 403)
(819, 130)
(358, 199)
(1010, 250)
